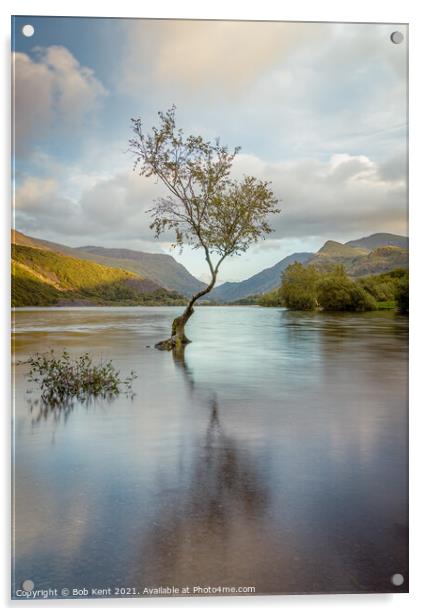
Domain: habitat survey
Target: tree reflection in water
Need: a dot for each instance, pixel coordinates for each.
(212, 520)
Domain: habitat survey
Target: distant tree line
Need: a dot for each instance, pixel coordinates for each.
(304, 287)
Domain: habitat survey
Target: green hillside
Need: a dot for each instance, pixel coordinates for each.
(44, 277)
(359, 257)
(162, 269)
(29, 289)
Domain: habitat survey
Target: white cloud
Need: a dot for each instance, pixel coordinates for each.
(51, 91)
(282, 90)
(34, 192)
(322, 107)
(337, 198)
(41, 207)
(341, 198)
(218, 58)
(111, 210)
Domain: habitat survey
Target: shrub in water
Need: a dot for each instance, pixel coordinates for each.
(62, 378)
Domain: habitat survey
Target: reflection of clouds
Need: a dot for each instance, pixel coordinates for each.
(294, 482)
(361, 358)
(354, 434)
(41, 520)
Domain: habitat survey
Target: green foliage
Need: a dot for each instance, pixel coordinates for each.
(383, 286)
(272, 299)
(205, 208)
(298, 287)
(389, 305)
(308, 288)
(337, 292)
(305, 287)
(249, 300)
(382, 291)
(62, 379)
(402, 294)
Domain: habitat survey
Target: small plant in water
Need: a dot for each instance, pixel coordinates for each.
(62, 379)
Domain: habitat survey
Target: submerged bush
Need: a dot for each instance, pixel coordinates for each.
(62, 379)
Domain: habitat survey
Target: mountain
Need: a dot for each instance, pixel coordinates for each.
(379, 239)
(262, 282)
(44, 277)
(336, 250)
(160, 268)
(163, 269)
(378, 261)
(360, 257)
(359, 260)
(333, 253)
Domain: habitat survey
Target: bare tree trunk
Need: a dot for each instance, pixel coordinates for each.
(178, 338)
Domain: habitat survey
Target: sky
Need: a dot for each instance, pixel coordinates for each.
(319, 110)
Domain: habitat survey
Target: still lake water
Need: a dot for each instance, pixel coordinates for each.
(275, 456)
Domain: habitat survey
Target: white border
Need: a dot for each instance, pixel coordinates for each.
(403, 11)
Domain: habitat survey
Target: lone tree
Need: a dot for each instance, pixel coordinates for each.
(205, 208)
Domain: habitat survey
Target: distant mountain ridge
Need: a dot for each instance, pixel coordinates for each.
(336, 249)
(161, 269)
(45, 277)
(374, 254)
(367, 255)
(380, 239)
(364, 256)
(262, 282)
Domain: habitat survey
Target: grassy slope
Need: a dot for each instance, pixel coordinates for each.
(29, 289)
(356, 259)
(43, 277)
(163, 269)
